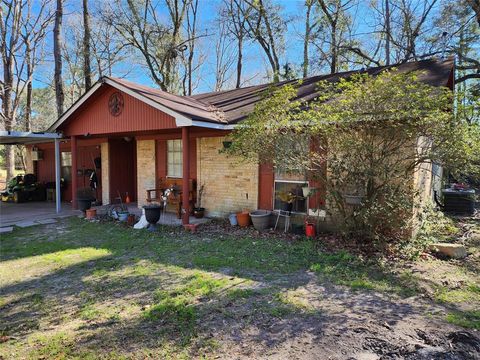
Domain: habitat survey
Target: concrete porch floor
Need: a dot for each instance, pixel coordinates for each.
(32, 213)
(167, 218)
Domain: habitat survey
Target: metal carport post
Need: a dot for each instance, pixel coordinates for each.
(30, 138)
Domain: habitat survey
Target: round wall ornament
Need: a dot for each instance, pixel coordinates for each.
(115, 103)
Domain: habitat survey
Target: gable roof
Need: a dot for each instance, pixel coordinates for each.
(224, 109)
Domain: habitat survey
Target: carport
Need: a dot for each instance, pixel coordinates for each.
(27, 138)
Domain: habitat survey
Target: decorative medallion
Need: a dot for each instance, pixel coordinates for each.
(115, 103)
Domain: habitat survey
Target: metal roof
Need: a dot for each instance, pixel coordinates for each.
(23, 137)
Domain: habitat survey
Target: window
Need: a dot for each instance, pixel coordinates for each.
(174, 158)
(66, 165)
(291, 180)
(287, 185)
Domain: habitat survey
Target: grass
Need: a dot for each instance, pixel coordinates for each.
(466, 319)
(106, 289)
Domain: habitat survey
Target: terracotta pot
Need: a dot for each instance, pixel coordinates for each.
(90, 213)
(131, 220)
(243, 219)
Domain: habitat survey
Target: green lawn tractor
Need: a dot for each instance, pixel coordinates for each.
(23, 188)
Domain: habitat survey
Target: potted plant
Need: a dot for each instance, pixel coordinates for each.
(286, 200)
(85, 197)
(198, 210)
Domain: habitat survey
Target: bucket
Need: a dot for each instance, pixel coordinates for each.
(90, 214)
(123, 215)
(310, 230)
(233, 219)
(243, 219)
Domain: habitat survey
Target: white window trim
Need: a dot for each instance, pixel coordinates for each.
(292, 182)
(176, 176)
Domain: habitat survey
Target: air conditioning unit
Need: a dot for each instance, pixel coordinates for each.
(37, 155)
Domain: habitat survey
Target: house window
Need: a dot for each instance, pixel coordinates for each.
(294, 189)
(66, 165)
(174, 158)
(289, 180)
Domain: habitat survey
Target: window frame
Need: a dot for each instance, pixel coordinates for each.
(174, 163)
(307, 198)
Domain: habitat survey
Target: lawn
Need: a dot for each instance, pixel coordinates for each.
(78, 289)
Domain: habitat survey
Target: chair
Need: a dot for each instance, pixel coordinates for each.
(176, 197)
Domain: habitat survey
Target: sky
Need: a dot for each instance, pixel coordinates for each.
(254, 58)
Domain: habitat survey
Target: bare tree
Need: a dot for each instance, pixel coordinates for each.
(475, 4)
(309, 28)
(87, 71)
(224, 57)
(159, 43)
(233, 16)
(57, 54)
(34, 31)
(265, 25)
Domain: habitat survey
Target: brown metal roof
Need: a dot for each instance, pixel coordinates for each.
(238, 103)
(232, 106)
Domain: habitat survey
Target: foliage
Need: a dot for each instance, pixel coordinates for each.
(368, 134)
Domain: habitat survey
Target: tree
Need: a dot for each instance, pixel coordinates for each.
(57, 55)
(233, 16)
(362, 136)
(87, 71)
(309, 29)
(475, 4)
(264, 24)
(159, 43)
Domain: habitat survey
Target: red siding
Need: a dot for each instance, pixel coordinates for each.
(94, 116)
(45, 169)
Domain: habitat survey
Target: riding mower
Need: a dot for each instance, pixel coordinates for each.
(24, 188)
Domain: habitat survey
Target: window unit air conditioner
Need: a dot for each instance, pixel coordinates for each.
(37, 155)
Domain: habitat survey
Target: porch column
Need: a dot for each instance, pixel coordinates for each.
(186, 171)
(58, 206)
(73, 145)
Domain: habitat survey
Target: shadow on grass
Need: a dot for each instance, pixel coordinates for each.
(187, 290)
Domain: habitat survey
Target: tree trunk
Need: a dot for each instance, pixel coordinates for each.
(306, 39)
(57, 54)
(239, 62)
(86, 47)
(387, 32)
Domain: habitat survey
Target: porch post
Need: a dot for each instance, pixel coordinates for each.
(73, 145)
(57, 176)
(186, 170)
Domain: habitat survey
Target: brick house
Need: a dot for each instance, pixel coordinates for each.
(139, 138)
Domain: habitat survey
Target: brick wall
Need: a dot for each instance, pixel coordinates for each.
(230, 186)
(145, 169)
(104, 151)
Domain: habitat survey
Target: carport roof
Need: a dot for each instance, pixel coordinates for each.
(23, 137)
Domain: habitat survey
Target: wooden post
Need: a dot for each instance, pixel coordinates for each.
(58, 206)
(186, 171)
(73, 145)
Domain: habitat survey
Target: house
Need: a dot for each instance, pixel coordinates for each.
(140, 138)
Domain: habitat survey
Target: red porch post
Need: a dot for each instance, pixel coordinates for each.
(73, 149)
(186, 171)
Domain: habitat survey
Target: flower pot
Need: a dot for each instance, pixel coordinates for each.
(353, 199)
(84, 204)
(152, 214)
(233, 219)
(90, 214)
(131, 220)
(310, 229)
(286, 206)
(261, 219)
(199, 212)
(123, 216)
(243, 219)
(306, 191)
